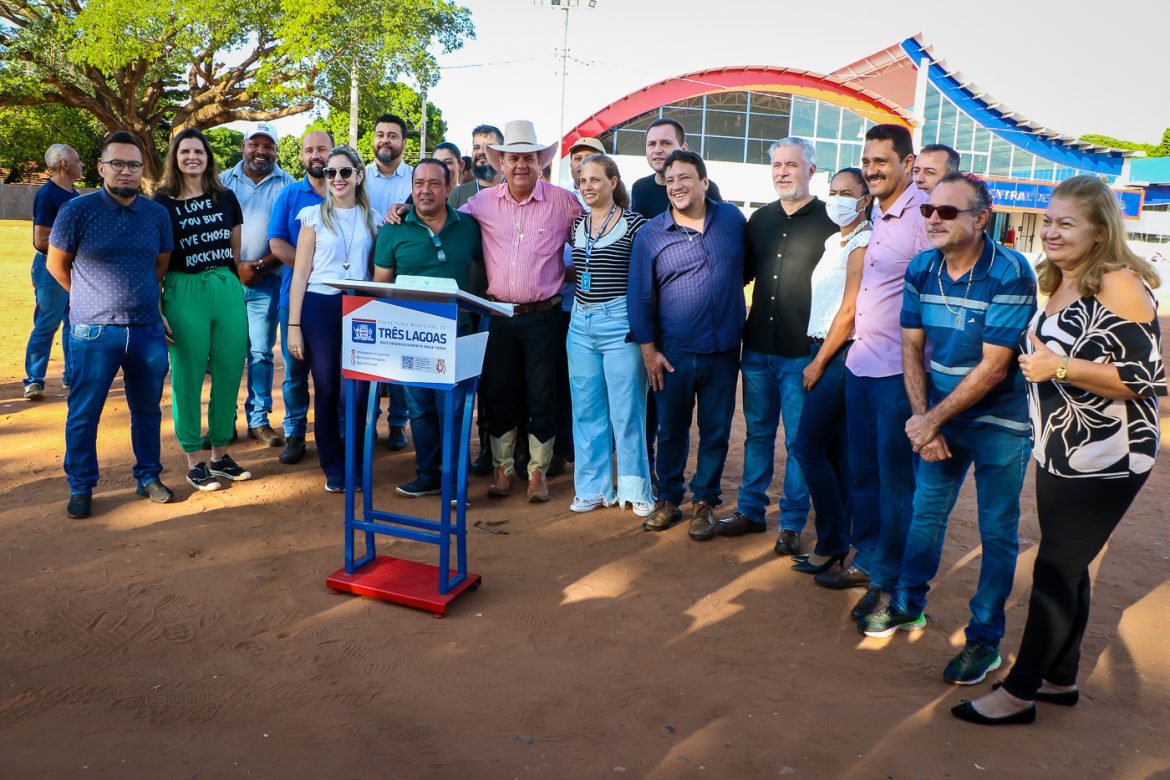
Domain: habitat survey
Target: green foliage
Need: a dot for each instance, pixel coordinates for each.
(1151, 150)
(288, 156)
(225, 145)
(27, 131)
(375, 99)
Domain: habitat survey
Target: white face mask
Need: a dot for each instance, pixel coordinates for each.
(842, 209)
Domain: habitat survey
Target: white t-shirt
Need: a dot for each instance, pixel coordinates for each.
(828, 282)
(348, 243)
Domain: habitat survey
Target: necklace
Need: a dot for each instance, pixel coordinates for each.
(865, 224)
(516, 223)
(963, 305)
(590, 239)
(347, 244)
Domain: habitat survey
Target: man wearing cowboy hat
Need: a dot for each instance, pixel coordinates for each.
(525, 224)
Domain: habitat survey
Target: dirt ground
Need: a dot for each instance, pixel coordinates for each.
(198, 639)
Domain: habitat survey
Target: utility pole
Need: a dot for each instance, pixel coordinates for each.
(422, 127)
(353, 104)
(566, 6)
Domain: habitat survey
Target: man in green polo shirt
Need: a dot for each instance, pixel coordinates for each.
(433, 240)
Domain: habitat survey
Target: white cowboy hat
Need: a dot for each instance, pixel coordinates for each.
(520, 138)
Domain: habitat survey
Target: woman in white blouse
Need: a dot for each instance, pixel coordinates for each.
(336, 242)
(820, 441)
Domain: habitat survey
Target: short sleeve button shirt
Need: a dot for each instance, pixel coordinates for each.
(114, 248)
(256, 202)
(386, 191)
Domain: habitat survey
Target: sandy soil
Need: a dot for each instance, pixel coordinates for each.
(197, 639)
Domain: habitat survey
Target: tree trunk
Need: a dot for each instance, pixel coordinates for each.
(353, 105)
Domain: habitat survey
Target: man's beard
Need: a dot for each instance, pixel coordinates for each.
(385, 157)
(261, 168)
(483, 172)
(122, 192)
(316, 171)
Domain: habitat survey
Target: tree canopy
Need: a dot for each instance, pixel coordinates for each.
(1151, 150)
(146, 65)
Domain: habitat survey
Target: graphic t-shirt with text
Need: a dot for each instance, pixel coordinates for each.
(203, 231)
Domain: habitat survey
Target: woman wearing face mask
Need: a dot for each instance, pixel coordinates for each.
(820, 441)
(203, 304)
(336, 242)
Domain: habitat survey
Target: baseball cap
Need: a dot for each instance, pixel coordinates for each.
(588, 143)
(263, 128)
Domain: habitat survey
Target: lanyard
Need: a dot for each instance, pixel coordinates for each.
(590, 239)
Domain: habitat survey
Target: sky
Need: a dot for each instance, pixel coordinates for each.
(1072, 71)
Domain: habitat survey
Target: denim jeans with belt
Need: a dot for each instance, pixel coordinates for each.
(1001, 458)
(710, 378)
(608, 381)
(882, 462)
(51, 312)
(822, 450)
(96, 353)
(773, 389)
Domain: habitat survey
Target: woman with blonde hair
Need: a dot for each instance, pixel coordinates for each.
(336, 243)
(1093, 360)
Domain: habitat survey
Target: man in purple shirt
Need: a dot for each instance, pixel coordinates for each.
(875, 395)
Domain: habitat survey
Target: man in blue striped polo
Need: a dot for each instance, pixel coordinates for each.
(971, 300)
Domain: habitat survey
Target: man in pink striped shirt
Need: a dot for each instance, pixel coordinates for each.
(525, 223)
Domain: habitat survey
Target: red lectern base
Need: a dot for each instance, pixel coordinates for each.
(399, 581)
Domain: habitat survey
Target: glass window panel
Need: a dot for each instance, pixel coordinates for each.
(771, 104)
(964, 161)
(1043, 170)
(826, 155)
(640, 122)
(828, 121)
(852, 127)
(724, 123)
(946, 125)
(1063, 173)
(804, 113)
(850, 157)
(982, 141)
(930, 132)
(695, 102)
(774, 127)
(1021, 164)
(723, 149)
(606, 139)
(979, 164)
(933, 99)
(1001, 158)
(691, 120)
(631, 142)
(757, 151)
(965, 138)
(728, 101)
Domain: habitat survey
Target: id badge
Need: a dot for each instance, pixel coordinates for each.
(586, 280)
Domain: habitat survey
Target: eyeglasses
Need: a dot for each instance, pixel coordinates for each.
(120, 165)
(944, 212)
(344, 173)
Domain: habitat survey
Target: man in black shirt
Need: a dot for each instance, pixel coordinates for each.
(648, 195)
(785, 241)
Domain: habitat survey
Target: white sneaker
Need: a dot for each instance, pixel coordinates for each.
(586, 504)
(642, 509)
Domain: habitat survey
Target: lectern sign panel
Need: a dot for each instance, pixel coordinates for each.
(400, 341)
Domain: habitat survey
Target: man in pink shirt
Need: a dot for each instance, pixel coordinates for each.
(880, 454)
(525, 223)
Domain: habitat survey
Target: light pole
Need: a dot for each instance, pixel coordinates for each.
(566, 6)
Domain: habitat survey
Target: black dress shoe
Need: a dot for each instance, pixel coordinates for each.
(851, 577)
(788, 543)
(1063, 698)
(738, 524)
(966, 711)
(80, 505)
(805, 566)
(866, 604)
(294, 450)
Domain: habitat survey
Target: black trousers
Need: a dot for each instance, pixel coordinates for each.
(519, 377)
(1076, 518)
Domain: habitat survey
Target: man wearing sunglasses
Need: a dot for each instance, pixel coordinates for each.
(875, 396)
(433, 240)
(971, 300)
(110, 250)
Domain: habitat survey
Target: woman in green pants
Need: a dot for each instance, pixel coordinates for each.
(203, 306)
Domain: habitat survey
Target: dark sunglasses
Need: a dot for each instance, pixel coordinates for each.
(944, 212)
(344, 173)
(439, 248)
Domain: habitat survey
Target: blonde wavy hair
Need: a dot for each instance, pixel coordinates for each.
(362, 199)
(1111, 253)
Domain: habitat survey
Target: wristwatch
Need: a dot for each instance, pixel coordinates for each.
(1062, 370)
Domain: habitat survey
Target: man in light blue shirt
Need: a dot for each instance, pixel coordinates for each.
(257, 181)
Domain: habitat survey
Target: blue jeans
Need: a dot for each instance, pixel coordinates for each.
(1000, 458)
(51, 312)
(399, 410)
(712, 379)
(262, 303)
(295, 387)
(773, 389)
(97, 352)
(822, 450)
(426, 429)
(882, 462)
(608, 382)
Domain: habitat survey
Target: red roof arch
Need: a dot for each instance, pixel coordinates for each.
(756, 78)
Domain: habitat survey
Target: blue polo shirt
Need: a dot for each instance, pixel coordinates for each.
(256, 202)
(48, 201)
(114, 248)
(990, 304)
(283, 222)
(686, 287)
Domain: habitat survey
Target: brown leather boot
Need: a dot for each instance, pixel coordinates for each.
(703, 522)
(501, 484)
(537, 487)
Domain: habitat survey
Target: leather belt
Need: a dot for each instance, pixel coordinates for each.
(817, 340)
(529, 308)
